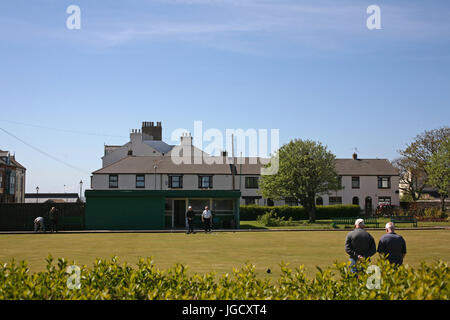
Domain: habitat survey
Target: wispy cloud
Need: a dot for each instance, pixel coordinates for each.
(228, 24)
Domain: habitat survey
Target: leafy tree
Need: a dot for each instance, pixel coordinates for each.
(413, 164)
(412, 178)
(425, 145)
(305, 169)
(439, 171)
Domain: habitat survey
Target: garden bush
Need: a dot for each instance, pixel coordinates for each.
(251, 212)
(114, 280)
(271, 219)
(434, 213)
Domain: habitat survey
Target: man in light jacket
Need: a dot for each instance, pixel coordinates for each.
(206, 219)
(39, 224)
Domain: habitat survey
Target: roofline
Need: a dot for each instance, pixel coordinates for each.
(94, 172)
(184, 173)
(51, 195)
(238, 174)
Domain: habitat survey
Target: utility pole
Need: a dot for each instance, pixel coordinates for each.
(155, 167)
(233, 166)
(240, 173)
(81, 189)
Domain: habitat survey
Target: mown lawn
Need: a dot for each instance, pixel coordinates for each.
(220, 252)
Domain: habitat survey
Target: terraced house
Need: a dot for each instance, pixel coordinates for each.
(12, 179)
(143, 169)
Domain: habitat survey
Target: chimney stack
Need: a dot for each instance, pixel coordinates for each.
(355, 156)
(186, 139)
(151, 132)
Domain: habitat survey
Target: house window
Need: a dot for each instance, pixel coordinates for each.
(340, 182)
(12, 184)
(205, 182)
(291, 202)
(355, 182)
(355, 201)
(384, 200)
(140, 181)
(270, 203)
(319, 201)
(175, 181)
(251, 182)
(384, 182)
(251, 200)
(113, 181)
(335, 200)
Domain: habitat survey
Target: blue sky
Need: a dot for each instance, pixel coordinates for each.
(309, 68)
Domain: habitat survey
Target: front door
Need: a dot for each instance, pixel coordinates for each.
(179, 212)
(368, 206)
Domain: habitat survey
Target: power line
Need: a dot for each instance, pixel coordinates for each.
(44, 153)
(63, 130)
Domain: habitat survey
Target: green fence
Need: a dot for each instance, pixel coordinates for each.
(20, 216)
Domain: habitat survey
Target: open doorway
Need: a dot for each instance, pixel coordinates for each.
(179, 212)
(368, 206)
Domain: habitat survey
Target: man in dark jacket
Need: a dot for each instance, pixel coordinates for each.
(359, 244)
(190, 214)
(53, 216)
(393, 245)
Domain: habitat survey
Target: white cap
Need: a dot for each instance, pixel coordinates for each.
(359, 222)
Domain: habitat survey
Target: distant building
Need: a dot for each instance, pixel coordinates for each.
(12, 179)
(51, 197)
(143, 170)
(366, 182)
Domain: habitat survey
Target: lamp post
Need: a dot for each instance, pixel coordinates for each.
(81, 189)
(37, 194)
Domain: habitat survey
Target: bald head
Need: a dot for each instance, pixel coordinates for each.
(390, 227)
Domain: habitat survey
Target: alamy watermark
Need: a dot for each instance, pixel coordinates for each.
(74, 280)
(212, 146)
(374, 20)
(374, 281)
(74, 20)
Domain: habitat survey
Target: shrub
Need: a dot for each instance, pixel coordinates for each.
(271, 219)
(112, 280)
(434, 213)
(251, 212)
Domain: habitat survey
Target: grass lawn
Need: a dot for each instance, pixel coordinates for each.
(218, 252)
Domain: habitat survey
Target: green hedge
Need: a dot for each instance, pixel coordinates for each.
(251, 212)
(112, 280)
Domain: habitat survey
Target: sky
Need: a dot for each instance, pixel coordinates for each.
(311, 69)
